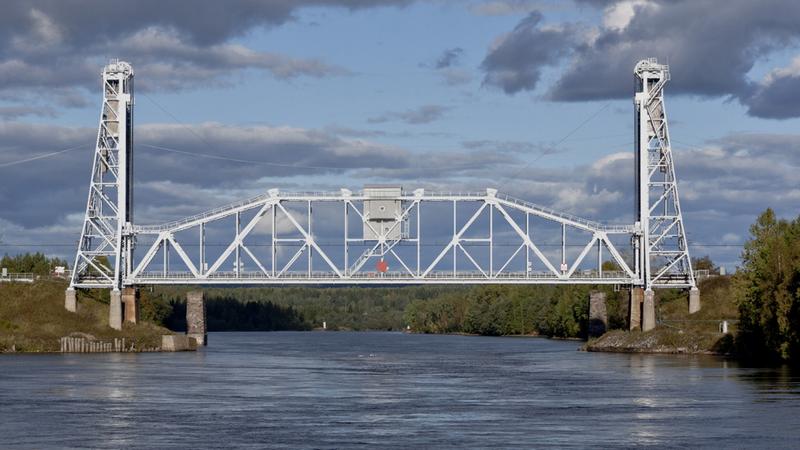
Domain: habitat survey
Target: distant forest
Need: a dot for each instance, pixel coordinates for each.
(488, 310)
(36, 263)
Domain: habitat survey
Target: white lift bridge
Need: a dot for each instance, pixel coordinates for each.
(381, 235)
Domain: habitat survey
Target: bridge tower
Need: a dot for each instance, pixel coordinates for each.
(662, 250)
(105, 248)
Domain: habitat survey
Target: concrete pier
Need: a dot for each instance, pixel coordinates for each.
(71, 300)
(694, 300)
(178, 343)
(598, 314)
(649, 310)
(115, 310)
(635, 308)
(130, 302)
(196, 317)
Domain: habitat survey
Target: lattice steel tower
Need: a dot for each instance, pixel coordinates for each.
(105, 247)
(663, 254)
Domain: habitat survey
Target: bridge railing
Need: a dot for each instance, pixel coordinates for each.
(19, 277)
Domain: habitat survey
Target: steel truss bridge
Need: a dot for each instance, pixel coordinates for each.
(381, 235)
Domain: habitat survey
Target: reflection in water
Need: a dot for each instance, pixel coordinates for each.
(391, 390)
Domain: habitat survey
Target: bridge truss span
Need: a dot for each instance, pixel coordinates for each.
(346, 238)
(382, 234)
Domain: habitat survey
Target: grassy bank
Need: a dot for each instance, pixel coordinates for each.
(678, 331)
(33, 318)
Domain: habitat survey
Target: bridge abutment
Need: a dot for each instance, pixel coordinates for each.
(130, 302)
(694, 300)
(115, 310)
(196, 317)
(598, 314)
(71, 300)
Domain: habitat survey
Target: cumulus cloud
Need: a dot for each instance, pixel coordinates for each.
(711, 51)
(449, 58)
(15, 112)
(777, 96)
(505, 7)
(423, 115)
(448, 66)
(163, 38)
(178, 166)
(516, 60)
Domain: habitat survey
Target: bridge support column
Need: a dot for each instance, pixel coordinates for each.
(598, 314)
(635, 308)
(694, 300)
(130, 302)
(115, 310)
(71, 300)
(649, 310)
(196, 317)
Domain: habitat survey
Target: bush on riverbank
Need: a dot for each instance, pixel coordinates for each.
(33, 318)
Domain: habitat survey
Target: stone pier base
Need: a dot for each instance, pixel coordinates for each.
(694, 300)
(649, 310)
(71, 300)
(130, 302)
(115, 310)
(635, 308)
(196, 317)
(598, 314)
(177, 343)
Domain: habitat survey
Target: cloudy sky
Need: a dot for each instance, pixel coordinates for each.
(531, 97)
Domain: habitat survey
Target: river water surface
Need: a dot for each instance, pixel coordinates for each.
(378, 390)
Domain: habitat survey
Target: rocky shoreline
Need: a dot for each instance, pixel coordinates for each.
(662, 341)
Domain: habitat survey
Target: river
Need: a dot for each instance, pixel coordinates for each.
(342, 390)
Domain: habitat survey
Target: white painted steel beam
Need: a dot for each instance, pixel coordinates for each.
(425, 255)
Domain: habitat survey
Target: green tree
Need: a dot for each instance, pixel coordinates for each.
(704, 263)
(768, 287)
(611, 266)
(37, 263)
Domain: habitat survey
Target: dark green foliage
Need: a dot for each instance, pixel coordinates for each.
(559, 311)
(296, 308)
(488, 310)
(768, 287)
(704, 263)
(36, 263)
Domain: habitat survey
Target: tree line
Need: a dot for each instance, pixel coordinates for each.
(557, 311)
(36, 263)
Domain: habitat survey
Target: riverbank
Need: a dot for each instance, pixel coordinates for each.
(663, 340)
(33, 319)
(677, 331)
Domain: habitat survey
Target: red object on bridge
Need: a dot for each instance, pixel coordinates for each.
(382, 266)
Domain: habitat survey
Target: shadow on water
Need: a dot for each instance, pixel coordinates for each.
(772, 382)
